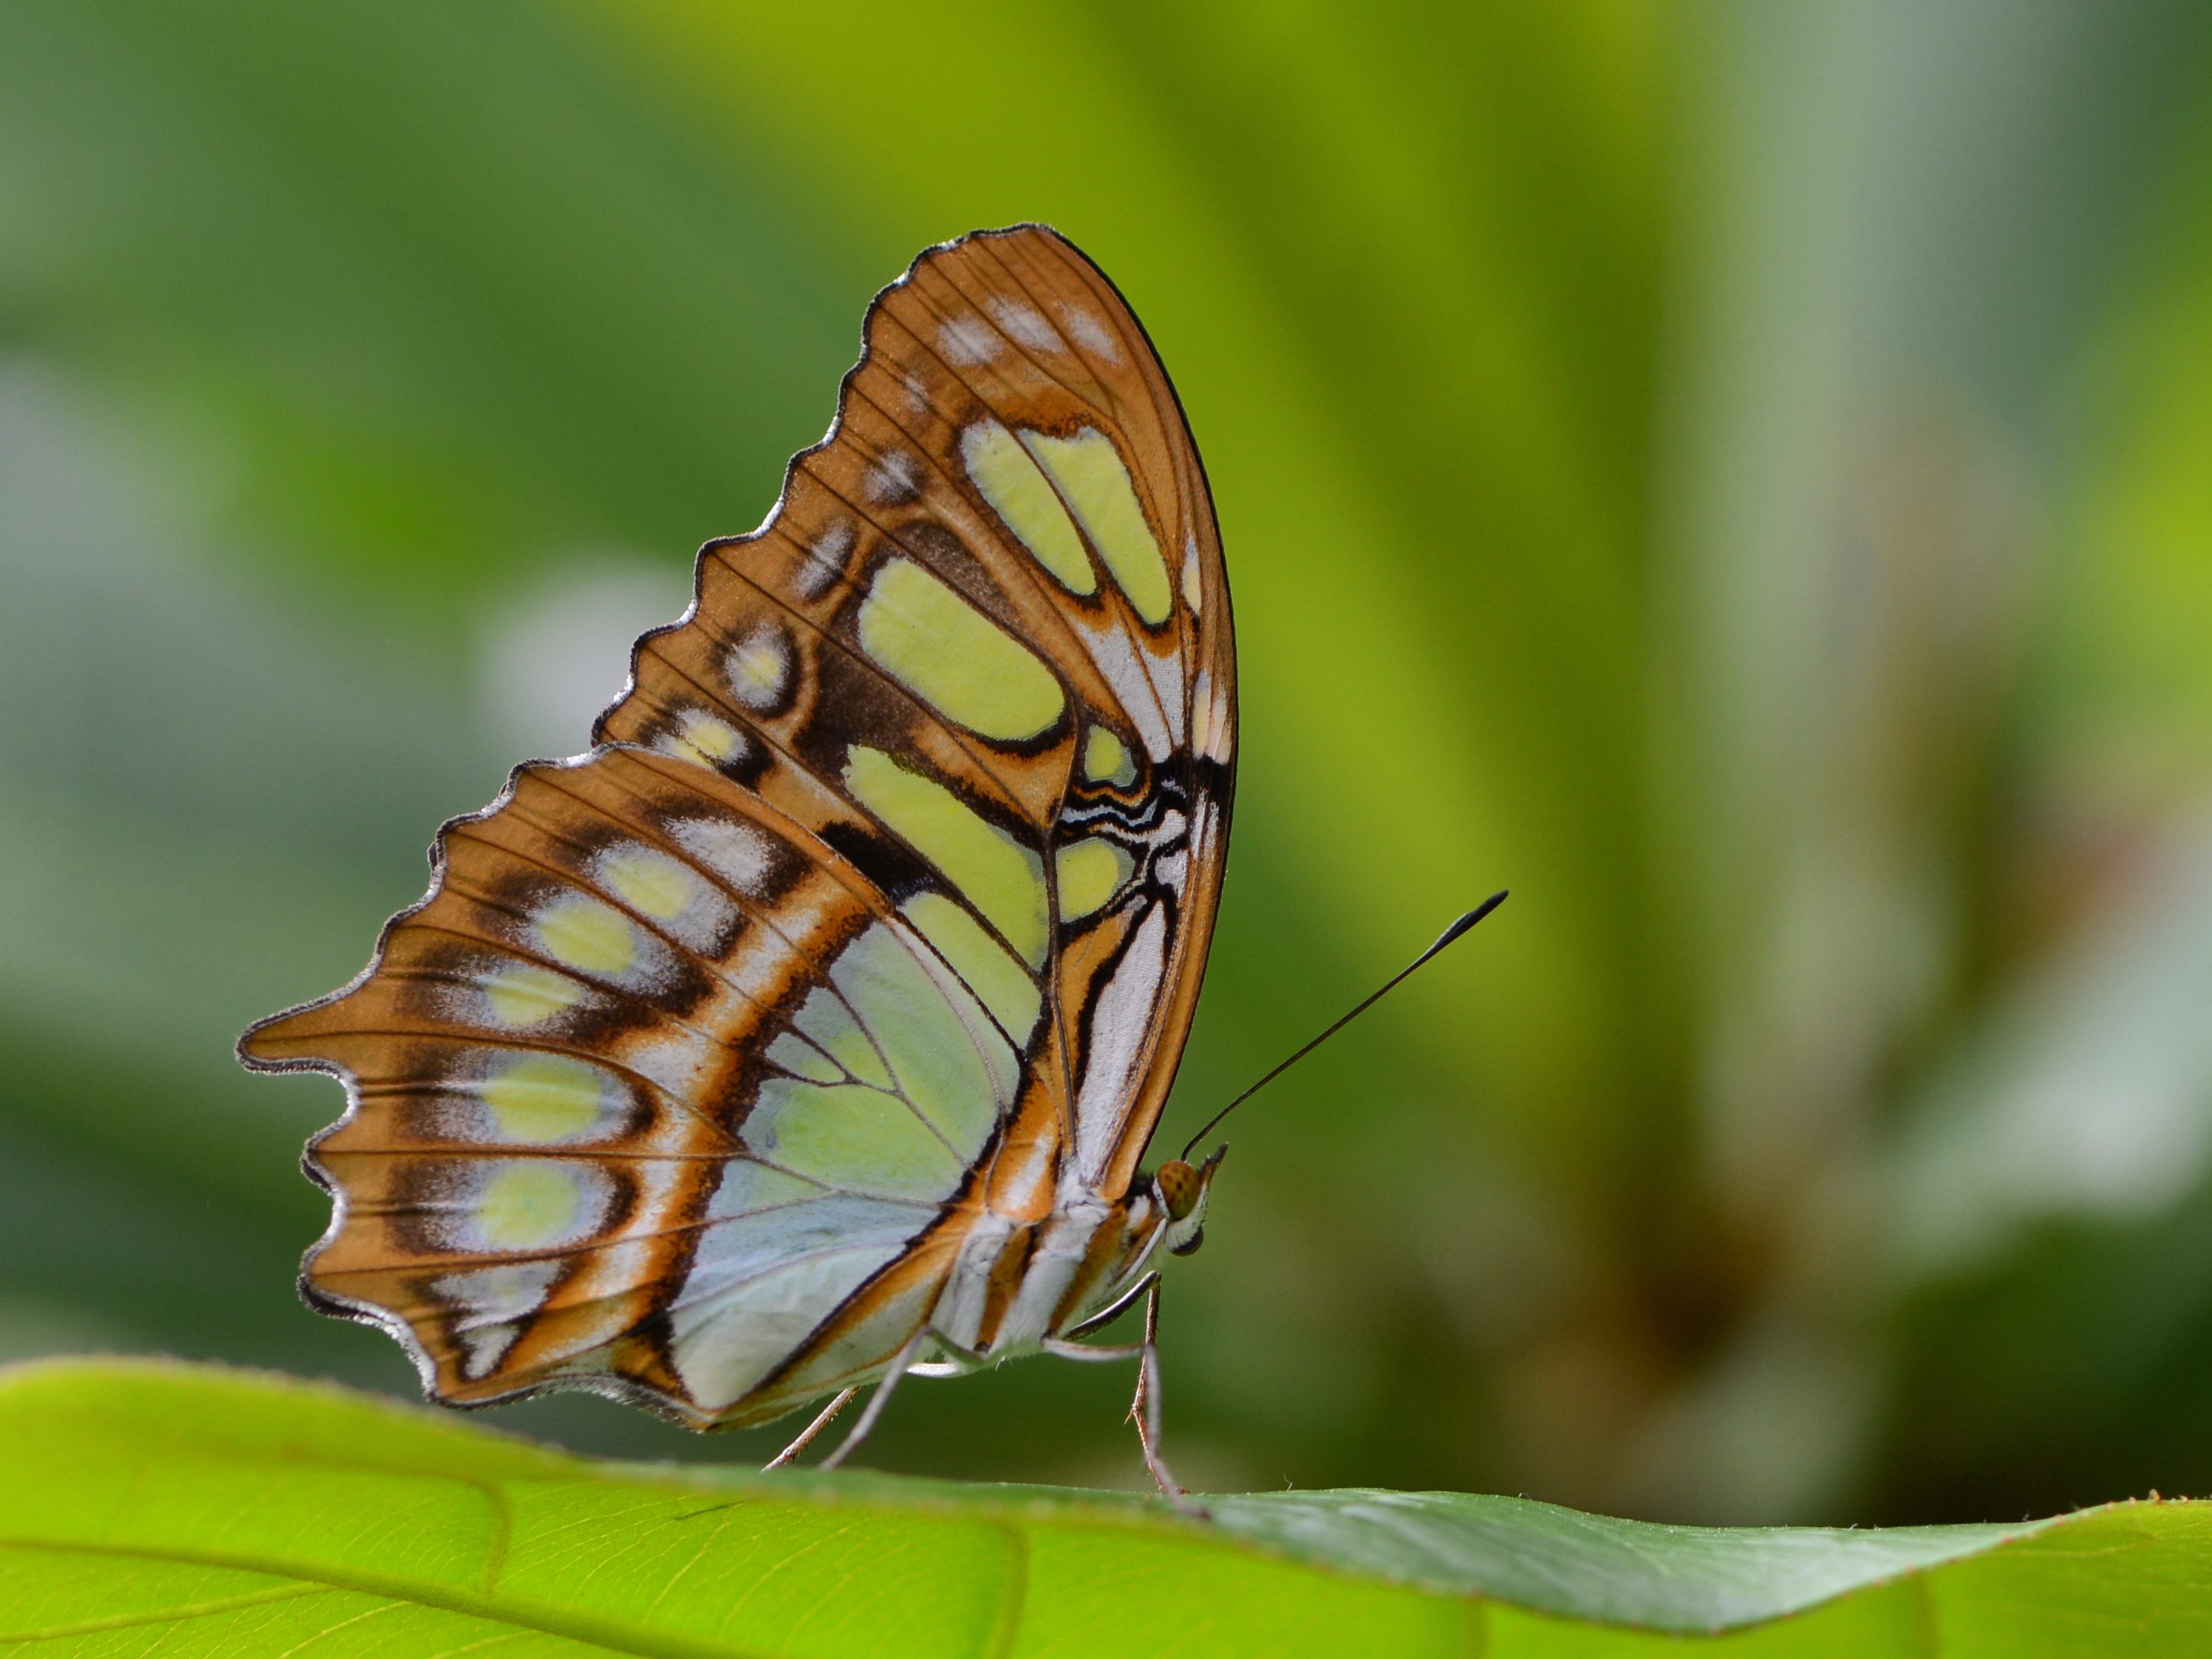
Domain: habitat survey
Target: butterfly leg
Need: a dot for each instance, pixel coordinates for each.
(806, 1435)
(900, 1364)
(1144, 1409)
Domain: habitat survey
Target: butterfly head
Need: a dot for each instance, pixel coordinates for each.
(1181, 1190)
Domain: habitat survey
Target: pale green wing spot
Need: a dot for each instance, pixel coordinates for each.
(524, 993)
(1002, 878)
(586, 935)
(1090, 872)
(1106, 759)
(938, 1057)
(1094, 483)
(1018, 494)
(703, 741)
(1003, 985)
(650, 883)
(756, 670)
(796, 1054)
(955, 659)
(830, 1023)
(541, 1098)
(526, 1204)
(857, 1139)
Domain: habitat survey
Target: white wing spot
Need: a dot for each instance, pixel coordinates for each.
(1120, 1023)
(824, 562)
(1209, 733)
(739, 853)
(967, 340)
(1166, 675)
(483, 1349)
(489, 1300)
(1026, 324)
(1092, 333)
(758, 669)
(1116, 658)
(894, 480)
(679, 1062)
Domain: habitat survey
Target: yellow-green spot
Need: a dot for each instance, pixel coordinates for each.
(757, 669)
(1091, 479)
(706, 739)
(1018, 494)
(586, 935)
(648, 882)
(998, 981)
(1106, 759)
(543, 1099)
(524, 993)
(953, 657)
(527, 1205)
(1090, 872)
(1002, 878)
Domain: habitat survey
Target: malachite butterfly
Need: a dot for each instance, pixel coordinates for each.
(811, 1028)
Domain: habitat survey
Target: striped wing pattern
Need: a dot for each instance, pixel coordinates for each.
(879, 909)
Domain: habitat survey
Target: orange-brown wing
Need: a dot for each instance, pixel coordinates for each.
(885, 897)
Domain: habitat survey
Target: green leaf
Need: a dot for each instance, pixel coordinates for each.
(155, 1506)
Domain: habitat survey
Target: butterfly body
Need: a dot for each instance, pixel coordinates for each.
(817, 1019)
(1018, 1284)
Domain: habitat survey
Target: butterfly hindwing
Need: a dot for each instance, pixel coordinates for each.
(884, 899)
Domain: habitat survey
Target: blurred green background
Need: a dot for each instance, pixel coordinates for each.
(1739, 475)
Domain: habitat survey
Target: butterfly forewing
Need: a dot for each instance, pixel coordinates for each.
(882, 904)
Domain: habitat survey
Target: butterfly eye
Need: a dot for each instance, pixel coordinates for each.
(1179, 1188)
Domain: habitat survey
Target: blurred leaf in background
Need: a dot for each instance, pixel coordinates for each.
(1739, 475)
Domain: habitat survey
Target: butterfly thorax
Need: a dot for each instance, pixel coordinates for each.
(1019, 1282)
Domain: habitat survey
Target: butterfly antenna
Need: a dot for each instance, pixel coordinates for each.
(1389, 985)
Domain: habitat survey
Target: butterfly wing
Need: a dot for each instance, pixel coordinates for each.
(885, 898)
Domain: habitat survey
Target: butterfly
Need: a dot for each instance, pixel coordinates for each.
(809, 1030)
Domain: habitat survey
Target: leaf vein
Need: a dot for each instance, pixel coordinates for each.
(617, 1635)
